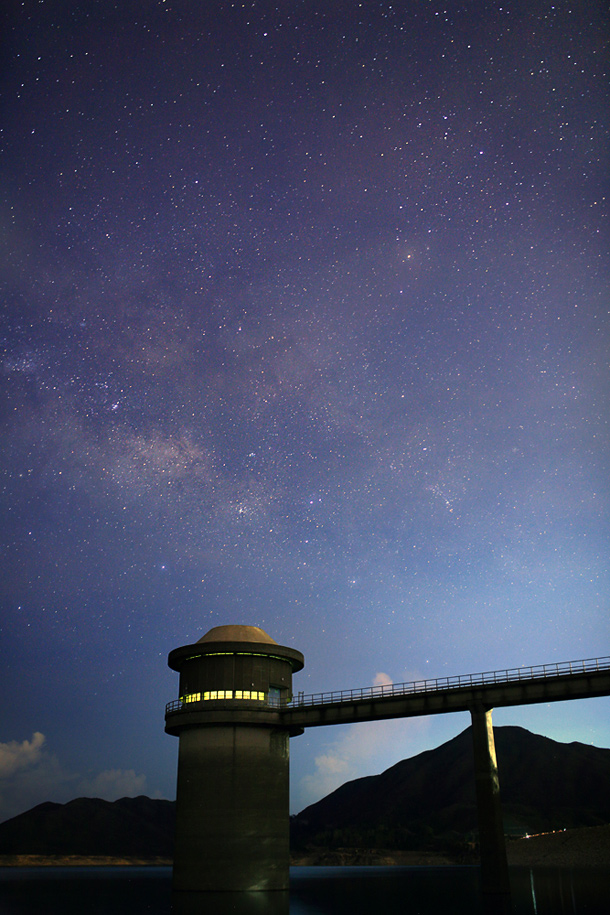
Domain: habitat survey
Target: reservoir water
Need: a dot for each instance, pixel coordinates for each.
(313, 891)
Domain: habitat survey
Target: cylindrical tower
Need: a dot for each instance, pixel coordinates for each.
(232, 813)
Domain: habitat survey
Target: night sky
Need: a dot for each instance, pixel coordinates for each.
(305, 326)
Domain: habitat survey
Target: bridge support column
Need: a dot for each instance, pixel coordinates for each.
(494, 866)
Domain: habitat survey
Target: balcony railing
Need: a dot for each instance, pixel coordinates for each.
(465, 681)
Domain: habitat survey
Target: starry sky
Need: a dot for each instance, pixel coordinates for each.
(304, 326)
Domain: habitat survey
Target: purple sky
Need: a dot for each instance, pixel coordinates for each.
(305, 327)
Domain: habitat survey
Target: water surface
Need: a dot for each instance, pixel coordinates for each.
(313, 891)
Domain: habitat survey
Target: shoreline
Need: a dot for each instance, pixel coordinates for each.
(586, 846)
(583, 847)
(82, 861)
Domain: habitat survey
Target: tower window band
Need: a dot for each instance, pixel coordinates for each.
(212, 694)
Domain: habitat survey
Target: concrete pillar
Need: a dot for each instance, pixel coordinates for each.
(494, 866)
(213, 903)
(232, 813)
(232, 809)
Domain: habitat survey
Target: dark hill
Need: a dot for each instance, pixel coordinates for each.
(544, 785)
(132, 826)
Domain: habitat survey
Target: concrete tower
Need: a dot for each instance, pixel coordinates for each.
(232, 813)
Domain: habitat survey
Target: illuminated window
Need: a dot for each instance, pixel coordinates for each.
(224, 694)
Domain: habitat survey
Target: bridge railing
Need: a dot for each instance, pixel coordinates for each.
(487, 678)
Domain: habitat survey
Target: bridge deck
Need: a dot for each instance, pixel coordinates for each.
(492, 689)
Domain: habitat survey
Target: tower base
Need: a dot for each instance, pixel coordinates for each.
(232, 827)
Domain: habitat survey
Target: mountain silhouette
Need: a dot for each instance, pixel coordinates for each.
(544, 785)
(131, 826)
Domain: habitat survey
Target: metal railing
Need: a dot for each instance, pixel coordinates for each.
(465, 681)
(181, 705)
(176, 705)
(439, 684)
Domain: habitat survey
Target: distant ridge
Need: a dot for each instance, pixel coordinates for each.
(131, 826)
(420, 803)
(544, 785)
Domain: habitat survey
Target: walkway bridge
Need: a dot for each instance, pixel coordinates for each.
(582, 679)
(474, 693)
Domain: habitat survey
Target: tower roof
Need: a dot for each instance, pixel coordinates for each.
(237, 634)
(235, 640)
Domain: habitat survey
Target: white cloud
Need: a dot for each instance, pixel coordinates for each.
(113, 784)
(31, 775)
(382, 679)
(14, 756)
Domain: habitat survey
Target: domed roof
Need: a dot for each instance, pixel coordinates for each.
(237, 634)
(234, 640)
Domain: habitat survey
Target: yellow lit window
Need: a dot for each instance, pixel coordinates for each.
(225, 694)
